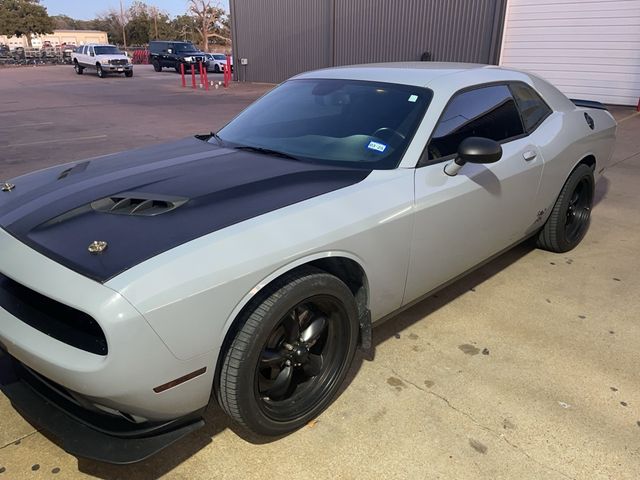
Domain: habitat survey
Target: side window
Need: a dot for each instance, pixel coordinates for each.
(487, 112)
(532, 107)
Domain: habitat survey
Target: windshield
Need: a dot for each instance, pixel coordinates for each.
(108, 50)
(185, 47)
(220, 57)
(348, 122)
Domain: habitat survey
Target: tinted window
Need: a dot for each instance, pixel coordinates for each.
(184, 47)
(107, 50)
(348, 122)
(532, 107)
(483, 112)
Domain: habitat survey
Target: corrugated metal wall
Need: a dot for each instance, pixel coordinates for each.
(283, 37)
(280, 38)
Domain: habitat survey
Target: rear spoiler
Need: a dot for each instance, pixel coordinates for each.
(588, 104)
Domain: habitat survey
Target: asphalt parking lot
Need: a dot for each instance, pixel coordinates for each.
(527, 368)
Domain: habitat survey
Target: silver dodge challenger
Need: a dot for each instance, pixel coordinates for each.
(246, 267)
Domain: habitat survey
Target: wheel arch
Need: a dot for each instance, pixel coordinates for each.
(589, 160)
(343, 265)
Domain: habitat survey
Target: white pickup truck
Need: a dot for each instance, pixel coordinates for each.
(103, 58)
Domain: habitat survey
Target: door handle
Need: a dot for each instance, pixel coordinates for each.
(529, 155)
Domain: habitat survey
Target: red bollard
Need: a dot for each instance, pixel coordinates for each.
(227, 72)
(184, 80)
(206, 80)
(201, 73)
(193, 76)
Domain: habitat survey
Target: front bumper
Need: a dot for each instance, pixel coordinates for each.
(124, 376)
(117, 68)
(82, 432)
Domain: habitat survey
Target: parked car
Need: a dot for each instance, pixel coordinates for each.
(172, 54)
(217, 62)
(249, 265)
(103, 59)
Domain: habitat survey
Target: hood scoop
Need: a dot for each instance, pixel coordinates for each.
(138, 204)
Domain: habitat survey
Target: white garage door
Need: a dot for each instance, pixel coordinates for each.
(589, 49)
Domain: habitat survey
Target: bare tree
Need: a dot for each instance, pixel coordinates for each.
(208, 14)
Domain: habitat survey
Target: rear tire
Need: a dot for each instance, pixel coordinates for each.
(569, 220)
(288, 359)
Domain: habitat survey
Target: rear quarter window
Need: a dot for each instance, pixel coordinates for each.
(532, 108)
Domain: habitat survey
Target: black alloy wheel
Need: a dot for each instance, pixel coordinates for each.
(301, 356)
(579, 211)
(571, 215)
(289, 358)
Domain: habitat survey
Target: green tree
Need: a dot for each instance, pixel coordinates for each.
(24, 17)
(184, 28)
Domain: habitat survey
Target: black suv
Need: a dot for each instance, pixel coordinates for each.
(173, 53)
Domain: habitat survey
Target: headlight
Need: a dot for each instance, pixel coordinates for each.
(188, 59)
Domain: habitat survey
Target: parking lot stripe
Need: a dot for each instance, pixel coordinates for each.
(74, 139)
(628, 117)
(24, 125)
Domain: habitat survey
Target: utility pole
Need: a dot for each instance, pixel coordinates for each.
(124, 33)
(154, 12)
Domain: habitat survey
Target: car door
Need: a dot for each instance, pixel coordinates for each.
(91, 56)
(82, 55)
(462, 220)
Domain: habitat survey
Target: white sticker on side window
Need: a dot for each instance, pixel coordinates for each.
(413, 98)
(378, 147)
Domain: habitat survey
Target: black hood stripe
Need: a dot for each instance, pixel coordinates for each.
(51, 211)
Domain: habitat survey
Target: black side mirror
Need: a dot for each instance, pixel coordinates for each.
(474, 150)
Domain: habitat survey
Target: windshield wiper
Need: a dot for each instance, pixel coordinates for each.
(266, 151)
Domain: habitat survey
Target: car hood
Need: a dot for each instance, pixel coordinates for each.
(147, 201)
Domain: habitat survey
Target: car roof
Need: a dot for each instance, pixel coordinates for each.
(408, 73)
(444, 78)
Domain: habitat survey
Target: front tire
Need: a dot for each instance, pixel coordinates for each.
(156, 66)
(99, 71)
(288, 359)
(216, 68)
(569, 220)
(79, 70)
(128, 74)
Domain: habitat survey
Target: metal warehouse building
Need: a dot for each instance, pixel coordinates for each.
(588, 48)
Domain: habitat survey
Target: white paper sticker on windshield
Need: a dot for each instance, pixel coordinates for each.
(413, 98)
(378, 147)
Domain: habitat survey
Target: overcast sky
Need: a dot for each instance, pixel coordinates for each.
(88, 9)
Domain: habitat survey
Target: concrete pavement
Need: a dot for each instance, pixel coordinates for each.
(526, 369)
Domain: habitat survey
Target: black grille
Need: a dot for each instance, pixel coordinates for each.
(119, 62)
(53, 318)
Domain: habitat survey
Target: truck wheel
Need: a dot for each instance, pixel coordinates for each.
(569, 220)
(288, 359)
(99, 71)
(128, 74)
(216, 69)
(156, 66)
(79, 70)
